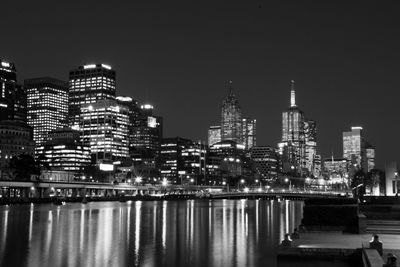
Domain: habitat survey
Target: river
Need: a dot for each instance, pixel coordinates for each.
(146, 233)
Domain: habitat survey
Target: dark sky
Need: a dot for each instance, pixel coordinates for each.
(178, 56)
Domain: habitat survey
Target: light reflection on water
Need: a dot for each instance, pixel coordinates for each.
(146, 233)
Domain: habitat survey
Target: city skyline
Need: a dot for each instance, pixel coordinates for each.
(324, 59)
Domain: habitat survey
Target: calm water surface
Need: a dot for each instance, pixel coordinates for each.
(160, 233)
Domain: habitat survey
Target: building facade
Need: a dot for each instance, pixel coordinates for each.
(15, 139)
(64, 151)
(231, 118)
(89, 84)
(249, 133)
(310, 135)
(354, 148)
(264, 162)
(47, 102)
(214, 135)
(12, 95)
(104, 128)
(293, 136)
(226, 161)
(171, 161)
(370, 157)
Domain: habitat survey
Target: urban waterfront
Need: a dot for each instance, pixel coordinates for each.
(146, 233)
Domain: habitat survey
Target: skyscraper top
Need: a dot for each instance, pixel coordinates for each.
(292, 94)
(230, 93)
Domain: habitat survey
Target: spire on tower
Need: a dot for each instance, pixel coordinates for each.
(292, 94)
(230, 92)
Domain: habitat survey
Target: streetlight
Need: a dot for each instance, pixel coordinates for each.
(164, 182)
(290, 182)
(138, 180)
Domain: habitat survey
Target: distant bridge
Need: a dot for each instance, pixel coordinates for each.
(297, 195)
(41, 189)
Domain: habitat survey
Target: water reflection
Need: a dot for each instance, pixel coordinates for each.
(165, 233)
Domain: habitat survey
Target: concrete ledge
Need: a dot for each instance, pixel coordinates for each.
(317, 253)
(371, 258)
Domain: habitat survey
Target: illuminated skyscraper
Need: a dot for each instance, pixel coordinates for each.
(293, 136)
(12, 95)
(214, 135)
(231, 118)
(310, 134)
(88, 84)
(133, 113)
(47, 101)
(249, 133)
(104, 128)
(354, 148)
(144, 145)
(370, 154)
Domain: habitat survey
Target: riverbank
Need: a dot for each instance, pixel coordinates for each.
(121, 198)
(335, 246)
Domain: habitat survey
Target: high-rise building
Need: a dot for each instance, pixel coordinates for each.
(47, 102)
(317, 166)
(133, 113)
(12, 95)
(147, 129)
(144, 144)
(370, 157)
(354, 148)
(171, 160)
(293, 136)
(104, 128)
(310, 135)
(231, 118)
(225, 160)
(214, 135)
(89, 84)
(249, 133)
(264, 162)
(15, 139)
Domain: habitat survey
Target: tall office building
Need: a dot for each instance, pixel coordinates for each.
(249, 133)
(225, 160)
(147, 129)
(144, 145)
(293, 137)
(231, 118)
(89, 84)
(133, 113)
(171, 161)
(47, 102)
(214, 135)
(354, 148)
(310, 136)
(370, 157)
(12, 95)
(104, 128)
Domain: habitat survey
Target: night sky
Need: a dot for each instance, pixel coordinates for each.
(179, 56)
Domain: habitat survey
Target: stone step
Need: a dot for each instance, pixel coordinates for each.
(383, 222)
(383, 230)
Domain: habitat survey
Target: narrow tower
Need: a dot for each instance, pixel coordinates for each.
(292, 94)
